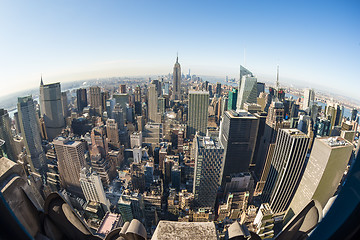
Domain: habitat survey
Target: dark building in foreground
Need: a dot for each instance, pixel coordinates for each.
(207, 173)
(238, 133)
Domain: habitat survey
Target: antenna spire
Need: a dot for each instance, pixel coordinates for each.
(277, 79)
(41, 81)
(244, 56)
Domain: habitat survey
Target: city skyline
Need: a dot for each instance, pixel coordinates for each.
(68, 42)
(251, 130)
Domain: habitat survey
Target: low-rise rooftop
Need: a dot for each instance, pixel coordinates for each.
(185, 230)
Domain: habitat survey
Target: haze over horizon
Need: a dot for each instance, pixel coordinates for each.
(315, 43)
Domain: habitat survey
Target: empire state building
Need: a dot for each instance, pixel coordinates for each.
(176, 81)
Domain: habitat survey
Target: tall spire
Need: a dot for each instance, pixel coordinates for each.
(277, 79)
(41, 81)
(244, 56)
(277, 87)
(177, 57)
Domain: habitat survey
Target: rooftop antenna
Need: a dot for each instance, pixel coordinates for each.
(244, 56)
(277, 79)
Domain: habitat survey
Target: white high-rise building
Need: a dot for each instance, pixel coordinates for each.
(286, 166)
(137, 154)
(198, 112)
(136, 139)
(71, 159)
(247, 91)
(309, 98)
(92, 187)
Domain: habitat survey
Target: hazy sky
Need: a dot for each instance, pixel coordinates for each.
(317, 42)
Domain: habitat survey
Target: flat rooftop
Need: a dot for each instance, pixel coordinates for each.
(109, 222)
(240, 114)
(209, 143)
(335, 141)
(185, 230)
(198, 92)
(294, 132)
(67, 142)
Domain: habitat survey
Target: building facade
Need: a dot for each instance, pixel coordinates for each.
(5, 134)
(238, 133)
(71, 159)
(209, 161)
(247, 91)
(286, 167)
(81, 99)
(51, 109)
(176, 93)
(30, 131)
(198, 112)
(324, 171)
(92, 187)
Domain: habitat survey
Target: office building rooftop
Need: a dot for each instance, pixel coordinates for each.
(335, 141)
(209, 143)
(294, 132)
(241, 114)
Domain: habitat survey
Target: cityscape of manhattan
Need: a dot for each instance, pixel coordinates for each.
(179, 120)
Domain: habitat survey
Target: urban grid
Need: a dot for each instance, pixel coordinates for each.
(172, 158)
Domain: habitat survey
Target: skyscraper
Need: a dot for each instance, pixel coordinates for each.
(81, 98)
(232, 99)
(5, 134)
(119, 117)
(243, 72)
(152, 102)
(208, 170)
(286, 167)
(323, 172)
(238, 133)
(95, 97)
(112, 133)
(260, 88)
(274, 121)
(31, 134)
(166, 88)
(309, 98)
(122, 88)
(71, 159)
(247, 91)
(64, 103)
(354, 114)
(123, 100)
(218, 89)
(198, 112)
(51, 109)
(137, 103)
(92, 187)
(176, 81)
